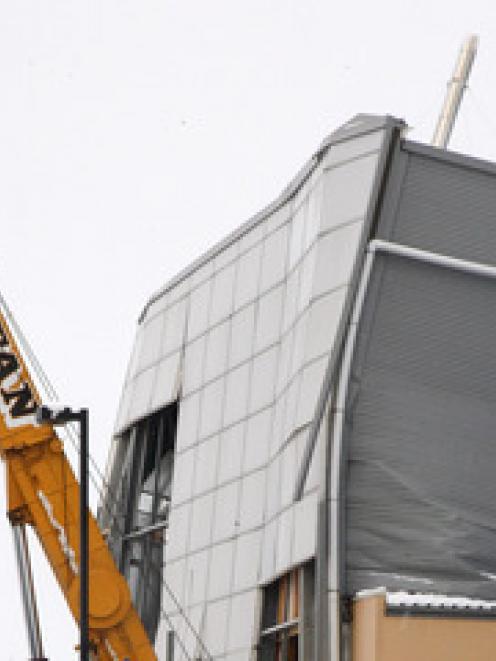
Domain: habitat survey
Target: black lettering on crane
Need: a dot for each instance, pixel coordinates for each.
(8, 364)
(4, 340)
(20, 402)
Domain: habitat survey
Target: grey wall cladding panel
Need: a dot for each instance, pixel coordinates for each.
(420, 485)
(447, 206)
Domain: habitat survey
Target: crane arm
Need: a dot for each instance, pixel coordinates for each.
(42, 491)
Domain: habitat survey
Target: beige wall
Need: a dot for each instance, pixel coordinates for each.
(378, 637)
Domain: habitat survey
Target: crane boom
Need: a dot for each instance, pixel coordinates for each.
(42, 491)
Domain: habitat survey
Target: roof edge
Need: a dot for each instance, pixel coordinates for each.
(357, 126)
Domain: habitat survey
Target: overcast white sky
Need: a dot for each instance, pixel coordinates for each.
(134, 134)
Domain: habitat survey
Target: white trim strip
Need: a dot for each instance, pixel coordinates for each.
(279, 627)
(464, 265)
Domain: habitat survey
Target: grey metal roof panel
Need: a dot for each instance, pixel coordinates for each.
(443, 202)
(449, 157)
(359, 125)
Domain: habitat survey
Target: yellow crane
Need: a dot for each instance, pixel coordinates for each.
(42, 492)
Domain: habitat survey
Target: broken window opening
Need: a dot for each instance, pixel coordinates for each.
(287, 617)
(138, 528)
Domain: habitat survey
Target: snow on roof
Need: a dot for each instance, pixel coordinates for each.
(418, 600)
(437, 601)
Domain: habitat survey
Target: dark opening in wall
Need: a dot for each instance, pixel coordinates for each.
(287, 617)
(139, 495)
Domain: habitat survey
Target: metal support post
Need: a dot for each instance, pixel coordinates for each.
(83, 537)
(58, 417)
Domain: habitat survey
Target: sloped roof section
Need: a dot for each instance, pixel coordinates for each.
(359, 125)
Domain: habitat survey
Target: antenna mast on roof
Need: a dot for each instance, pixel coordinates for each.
(454, 93)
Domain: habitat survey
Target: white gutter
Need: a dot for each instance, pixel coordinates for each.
(454, 263)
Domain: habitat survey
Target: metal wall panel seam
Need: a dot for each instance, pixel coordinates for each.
(351, 159)
(390, 147)
(305, 310)
(320, 235)
(387, 123)
(258, 527)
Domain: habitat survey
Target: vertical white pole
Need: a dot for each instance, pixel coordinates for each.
(454, 93)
